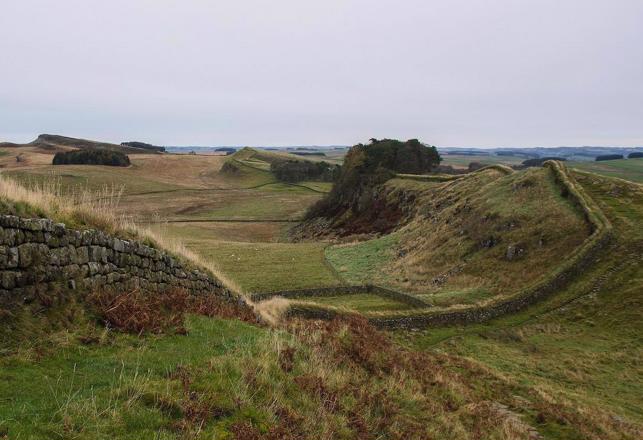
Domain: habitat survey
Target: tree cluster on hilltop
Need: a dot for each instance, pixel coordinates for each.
(298, 170)
(92, 157)
(366, 166)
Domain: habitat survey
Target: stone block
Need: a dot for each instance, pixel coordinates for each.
(118, 245)
(58, 229)
(82, 254)
(8, 280)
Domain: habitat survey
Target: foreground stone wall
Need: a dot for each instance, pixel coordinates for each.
(38, 254)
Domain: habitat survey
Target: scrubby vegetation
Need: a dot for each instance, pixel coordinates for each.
(635, 155)
(92, 157)
(366, 166)
(298, 171)
(162, 312)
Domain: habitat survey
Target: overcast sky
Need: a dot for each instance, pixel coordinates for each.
(293, 72)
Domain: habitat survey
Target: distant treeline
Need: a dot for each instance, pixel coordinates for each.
(516, 153)
(609, 157)
(467, 153)
(538, 162)
(635, 155)
(97, 156)
(297, 171)
(144, 146)
(307, 153)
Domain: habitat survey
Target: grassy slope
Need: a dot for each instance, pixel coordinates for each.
(582, 345)
(441, 254)
(628, 169)
(226, 379)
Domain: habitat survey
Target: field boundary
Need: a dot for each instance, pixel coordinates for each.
(578, 260)
(343, 290)
(38, 256)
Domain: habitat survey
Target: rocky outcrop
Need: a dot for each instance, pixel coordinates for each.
(37, 255)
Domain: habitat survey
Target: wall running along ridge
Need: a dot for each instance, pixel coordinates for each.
(574, 264)
(37, 255)
(448, 177)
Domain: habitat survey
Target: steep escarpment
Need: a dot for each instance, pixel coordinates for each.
(468, 240)
(356, 203)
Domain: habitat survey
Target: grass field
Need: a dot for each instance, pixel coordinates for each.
(628, 169)
(463, 161)
(362, 263)
(359, 302)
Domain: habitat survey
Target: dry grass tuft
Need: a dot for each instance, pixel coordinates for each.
(272, 311)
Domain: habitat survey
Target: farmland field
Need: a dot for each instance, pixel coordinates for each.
(628, 169)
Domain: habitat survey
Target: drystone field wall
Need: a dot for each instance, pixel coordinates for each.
(37, 255)
(575, 264)
(404, 298)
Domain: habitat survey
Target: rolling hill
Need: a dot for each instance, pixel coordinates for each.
(54, 143)
(565, 366)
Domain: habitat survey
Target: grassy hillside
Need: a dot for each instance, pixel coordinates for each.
(470, 239)
(582, 346)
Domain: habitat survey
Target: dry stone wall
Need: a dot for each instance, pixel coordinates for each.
(38, 254)
(343, 290)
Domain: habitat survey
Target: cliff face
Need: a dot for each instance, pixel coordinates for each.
(37, 255)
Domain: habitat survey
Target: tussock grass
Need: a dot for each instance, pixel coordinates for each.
(325, 380)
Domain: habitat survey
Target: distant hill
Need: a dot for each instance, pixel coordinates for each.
(56, 143)
(569, 153)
